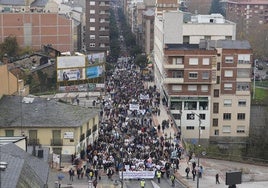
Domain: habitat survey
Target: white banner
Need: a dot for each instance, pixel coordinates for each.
(137, 174)
(144, 97)
(134, 106)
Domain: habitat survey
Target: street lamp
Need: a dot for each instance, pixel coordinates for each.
(198, 157)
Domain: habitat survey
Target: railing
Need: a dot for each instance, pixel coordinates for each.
(82, 137)
(32, 142)
(56, 142)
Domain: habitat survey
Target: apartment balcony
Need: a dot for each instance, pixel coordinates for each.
(56, 142)
(243, 79)
(33, 142)
(243, 93)
(173, 80)
(173, 66)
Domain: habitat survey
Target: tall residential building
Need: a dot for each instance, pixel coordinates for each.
(97, 26)
(247, 13)
(148, 31)
(195, 77)
(166, 5)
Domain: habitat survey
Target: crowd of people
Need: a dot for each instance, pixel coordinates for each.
(128, 138)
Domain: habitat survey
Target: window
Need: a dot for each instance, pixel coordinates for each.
(241, 86)
(176, 105)
(9, 132)
(92, 20)
(190, 116)
(243, 73)
(204, 88)
(215, 108)
(205, 61)
(177, 74)
(189, 127)
(240, 129)
(186, 39)
(202, 127)
(242, 102)
(244, 58)
(229, 59)
(228, 86)
(227, 116)
(203, 105)
(226, 129)
(228, 73)
(193, 75)
(205, 75)
(216, 132)
(190, 105)
(216, 93)
(92, 11)
(176, 88)
(228, 37)
(207, 37)
(193, 61)
(202, 116)
(192, 87)
(241, 116)
(177, 61)
(91, 2)
(218, 66)
(227, 102)
(92, 28)
(92, 36)
(92, 44)
(215, 122)
(102, 20)
(177, 116)
(218, 79)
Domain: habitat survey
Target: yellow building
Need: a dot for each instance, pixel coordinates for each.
(8, 81)
(64, 128)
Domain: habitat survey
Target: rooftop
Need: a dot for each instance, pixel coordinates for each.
(42, 112)
(225, 44)
(248, 2)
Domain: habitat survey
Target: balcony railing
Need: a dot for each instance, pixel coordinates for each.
(82, 137)
(32, 142)
(56, 142)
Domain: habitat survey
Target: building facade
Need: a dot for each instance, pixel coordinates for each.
(97, 26)
(148, 31)
(190, 72)
(247, 13)
(65, 129)
(38, 29)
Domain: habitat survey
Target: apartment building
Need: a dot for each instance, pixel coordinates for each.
(147, 38)
(188, 72)
(247, 11)
(97, 26)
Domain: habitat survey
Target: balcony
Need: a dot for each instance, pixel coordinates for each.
(56, 142)
(88, 132)
(33, 142)
(173, 80)
(173, 66)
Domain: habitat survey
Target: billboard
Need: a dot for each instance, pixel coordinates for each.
(96, 58)
(64, 62)
(71, 74)
(94, 72)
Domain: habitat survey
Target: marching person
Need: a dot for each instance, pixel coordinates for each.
(158, 175)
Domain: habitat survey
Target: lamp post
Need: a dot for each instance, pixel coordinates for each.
(198, 156)
(254, 77)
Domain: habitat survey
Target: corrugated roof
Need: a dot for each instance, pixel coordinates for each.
(42, 113)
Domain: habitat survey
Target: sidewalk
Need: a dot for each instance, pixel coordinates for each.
(253, 177)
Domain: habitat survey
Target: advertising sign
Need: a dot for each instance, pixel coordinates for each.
(94, 72)
(71, 74)
(64, 62)
(68, 135)
(96, 58)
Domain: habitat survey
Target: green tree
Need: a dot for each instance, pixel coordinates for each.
(141, 61)
(9, 46)
(216, 7)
